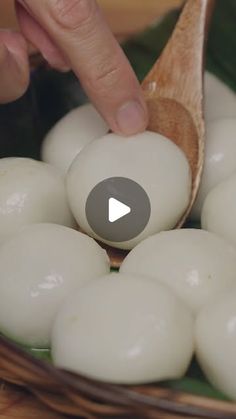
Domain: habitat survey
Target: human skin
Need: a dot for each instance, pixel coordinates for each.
(73, 34)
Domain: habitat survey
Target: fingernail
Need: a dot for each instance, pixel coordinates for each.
(131, 118)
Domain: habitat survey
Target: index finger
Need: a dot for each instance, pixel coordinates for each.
(79, 29)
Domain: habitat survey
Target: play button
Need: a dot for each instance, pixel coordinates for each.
(118, 209)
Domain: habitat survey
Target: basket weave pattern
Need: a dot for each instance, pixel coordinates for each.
(81, 397)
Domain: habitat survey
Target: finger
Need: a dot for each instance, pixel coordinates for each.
(37, 36)
(14, 67)
(78, 28)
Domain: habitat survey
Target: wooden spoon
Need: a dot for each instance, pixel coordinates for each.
(174, 94)
(174, 88)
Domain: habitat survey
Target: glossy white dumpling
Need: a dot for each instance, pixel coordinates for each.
(67, 138)
(220, 159)
(195, 264)
(39, 268)
(219, 210)
(216, 342)
(220, 100)
(125, 330)
(149, 159)
(31, 192)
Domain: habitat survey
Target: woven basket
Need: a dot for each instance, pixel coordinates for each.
(81, 397)
(74, 395)
(78, 396)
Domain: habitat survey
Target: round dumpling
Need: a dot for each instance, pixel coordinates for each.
(125, 330)
(219, 209)
(195, 264)
(31, 192)
(216, 342)
(39, 268)
(150, 160)
(220, 101)
(220, 159)
(67, 138)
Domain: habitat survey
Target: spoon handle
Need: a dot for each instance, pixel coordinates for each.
(177, 74)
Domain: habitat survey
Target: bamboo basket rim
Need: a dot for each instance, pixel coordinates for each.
(76, 395)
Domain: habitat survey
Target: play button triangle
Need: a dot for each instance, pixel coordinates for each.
(117, 210)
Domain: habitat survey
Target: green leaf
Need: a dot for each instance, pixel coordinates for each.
(114, 270)
(195, 386)
(143, 50)
(43, 354)
(196, 383)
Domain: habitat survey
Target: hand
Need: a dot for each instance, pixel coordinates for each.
(72, 34)
(14, 67)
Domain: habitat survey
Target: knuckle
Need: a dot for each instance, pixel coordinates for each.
(72, 14)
